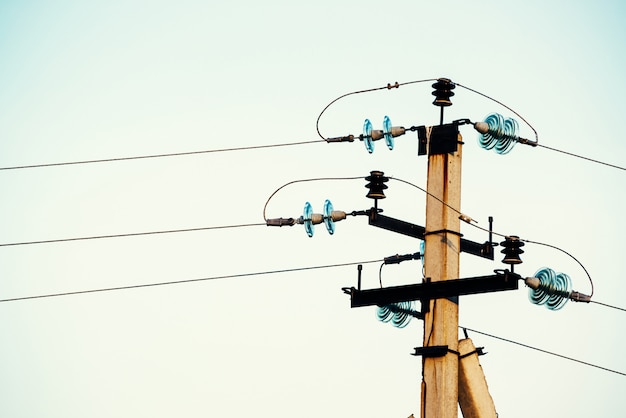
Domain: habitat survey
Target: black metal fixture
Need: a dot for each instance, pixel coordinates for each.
(501, 280)
(512, 249)
(376, 186)
(443, 91)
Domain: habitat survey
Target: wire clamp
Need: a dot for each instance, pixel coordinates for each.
(440, 231)
(479, 351)
(433, 351)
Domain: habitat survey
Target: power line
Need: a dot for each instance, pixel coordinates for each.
(582, 157)
(132, 234)
(174, 154)
(389, 86)
(544, 351)
(505, 106)
(304, 181)
(231, 276)
(608, 306)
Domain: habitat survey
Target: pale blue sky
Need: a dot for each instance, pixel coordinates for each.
(87, 80)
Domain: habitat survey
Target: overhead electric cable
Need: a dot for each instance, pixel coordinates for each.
(608, 306)
(304, 181)
(389, 86)
(174, 154)
(505, 106)
(564, 252)
(544, 351)
(132, 234)
(582, 157)
(230, 276)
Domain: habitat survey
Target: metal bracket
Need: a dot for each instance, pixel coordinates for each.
(416, 231)
(433, 351)
(502, 280)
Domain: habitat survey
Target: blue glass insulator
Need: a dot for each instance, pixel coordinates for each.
(562, 287)
(540, 295)
(509, 137)
(399, 314)
(387, 132)
(367, 136)
(307, 216)
(554, 289)
(384, 314)
(488, 140)
(403, 314)
(328, 218)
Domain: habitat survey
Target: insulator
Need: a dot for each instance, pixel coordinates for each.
(390, 132)
(498, 133)
(367, 136)
(512, 250)
(370, 135)
(509, 138)
(328, 218)
(550, 289)
(307, 217)
(331, 216)
(387, 132)
(376, 184)
(399, 314)
(310, 219)
(443, 91)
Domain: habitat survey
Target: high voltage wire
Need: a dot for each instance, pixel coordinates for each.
(174, 154)
(582, 157)
(233, 276)
(544, 351)
(461, 215)
(608, 306)
(132, 234)
(179, 154)
(168, 283)
(389, 86)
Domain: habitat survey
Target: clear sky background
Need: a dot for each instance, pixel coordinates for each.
(95, 80)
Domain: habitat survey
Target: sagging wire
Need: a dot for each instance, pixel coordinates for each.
(304, 181)
(389, 86)
(505, 106)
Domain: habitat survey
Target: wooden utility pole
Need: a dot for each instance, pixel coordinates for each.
(474, 398)
(441, 262)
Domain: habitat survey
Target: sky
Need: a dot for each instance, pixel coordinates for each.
(87, 81)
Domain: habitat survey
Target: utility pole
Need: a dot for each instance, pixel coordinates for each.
(445, 383)
(441, 262)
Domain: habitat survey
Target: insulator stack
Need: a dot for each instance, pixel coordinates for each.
(389, 132)
(549, 288)
(399, 314)
(329, 217)
(498, 133)
(443, 91)
(512, 249)
(376, 185)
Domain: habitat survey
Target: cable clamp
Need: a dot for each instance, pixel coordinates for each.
(433, 351)
(439, 231)
(347, 138)
(280, 222)
(479, 351)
